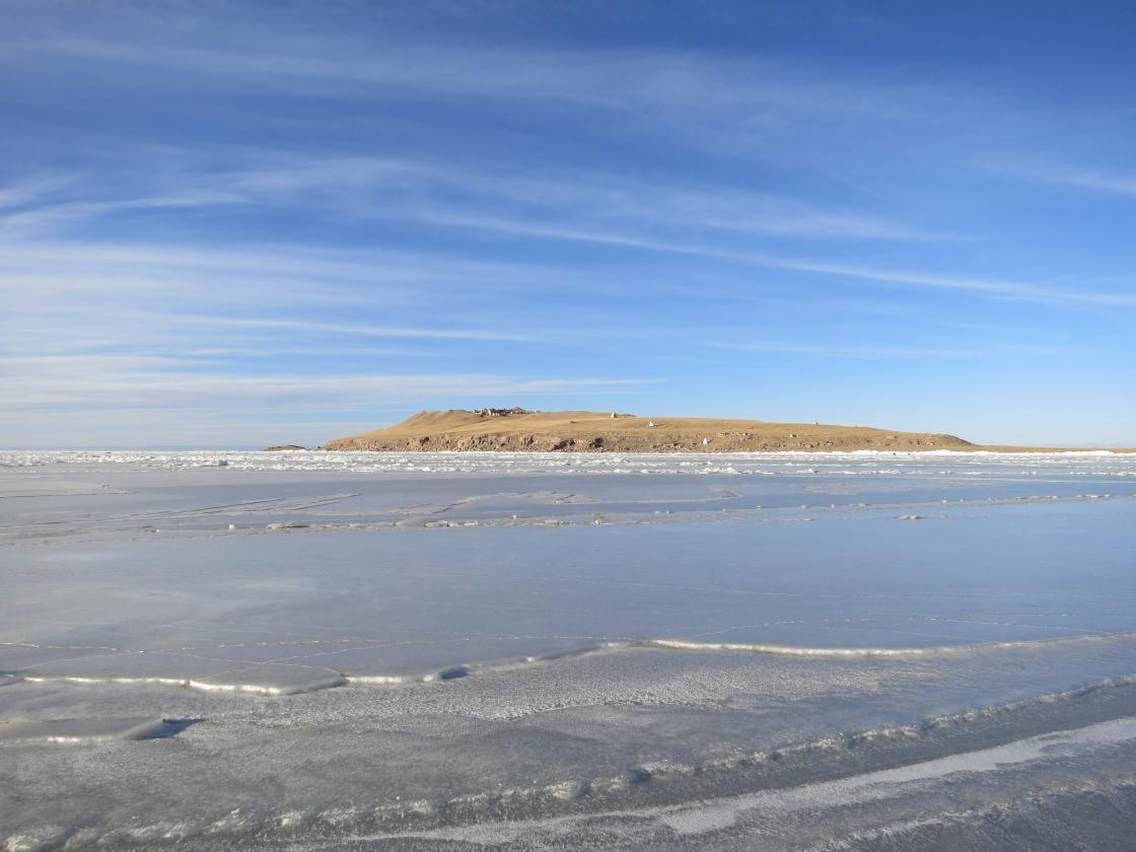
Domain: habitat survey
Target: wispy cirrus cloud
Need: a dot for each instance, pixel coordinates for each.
(29, 191)
(49, 218)
(83, 383)
(992, 287)
(874, 351)
(424, 192)
(128, 402)
(600, 78)
(1117, 183)
(356, 330)
(254, 274)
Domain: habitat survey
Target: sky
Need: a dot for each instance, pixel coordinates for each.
(242, 223)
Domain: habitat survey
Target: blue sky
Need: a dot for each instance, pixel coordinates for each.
(242, 223)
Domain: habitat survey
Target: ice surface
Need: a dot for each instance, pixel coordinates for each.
(855, 463)
(314, 647)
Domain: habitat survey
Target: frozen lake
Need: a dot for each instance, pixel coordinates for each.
(410, 650)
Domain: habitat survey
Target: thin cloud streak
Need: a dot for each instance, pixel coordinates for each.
(609, 79)
(876, 352)
(393, 189)
(989, 287)
(360, 330)
(35, 189)
(48, 218)
(100, 390)
(1098, 180)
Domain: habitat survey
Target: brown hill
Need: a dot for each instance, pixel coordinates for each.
(589, 431)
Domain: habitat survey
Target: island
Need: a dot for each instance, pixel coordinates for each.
(588, 431)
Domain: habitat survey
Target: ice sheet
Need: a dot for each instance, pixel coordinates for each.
(233, 655)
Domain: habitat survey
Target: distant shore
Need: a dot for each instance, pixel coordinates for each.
(519, 430)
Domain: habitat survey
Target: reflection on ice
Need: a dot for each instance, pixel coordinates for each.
(294, 610)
